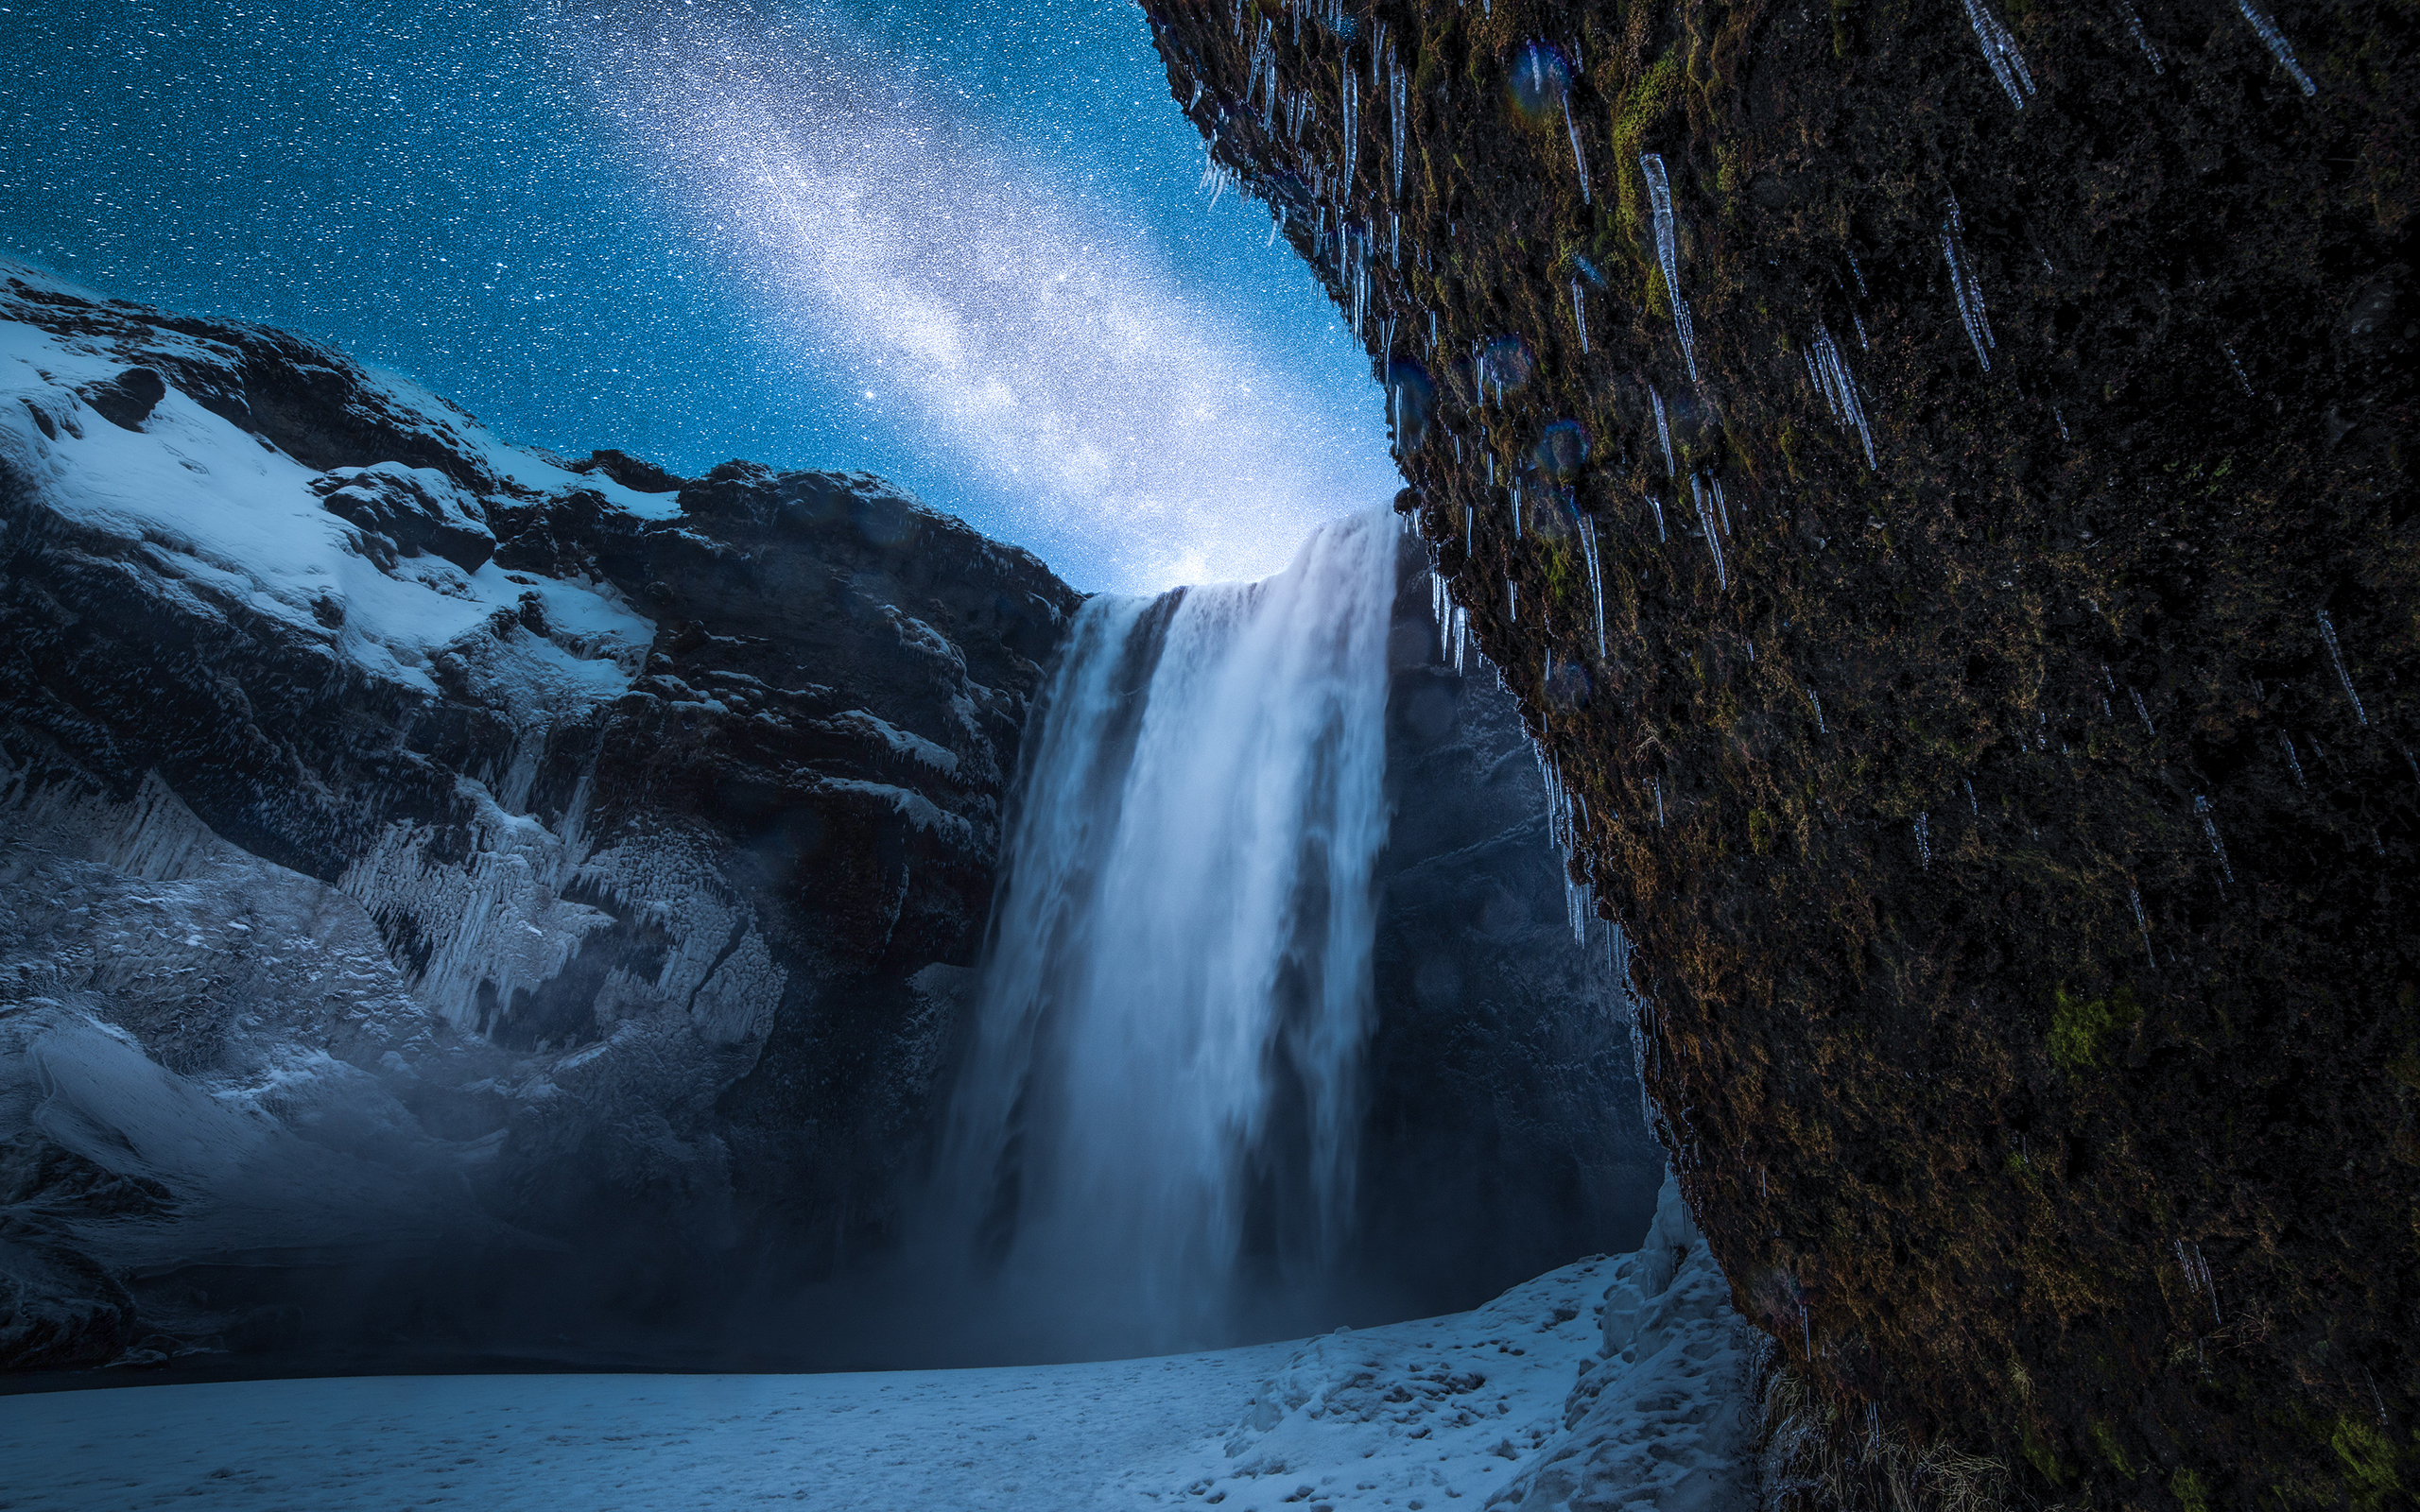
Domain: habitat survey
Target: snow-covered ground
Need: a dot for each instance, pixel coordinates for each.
(1519, 1404)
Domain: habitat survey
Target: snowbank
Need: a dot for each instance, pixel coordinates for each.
(1410, 1416)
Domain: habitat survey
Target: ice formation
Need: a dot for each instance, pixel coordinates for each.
(2210, 832)
(1966, 288)
(1838, 385)
(2276, 42)
(1659, 194)
(2336, 654)
(1705, 520)
(2000, 50)
(2142, 39)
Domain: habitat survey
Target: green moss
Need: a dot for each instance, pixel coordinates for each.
(2038, 1453)
(2186, 1487)
(1760, 831)
(2369, 1463)
(1640, 107)
(2080, 1031)
(2106, 1441)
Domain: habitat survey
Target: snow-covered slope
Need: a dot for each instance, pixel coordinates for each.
(1479, 1407)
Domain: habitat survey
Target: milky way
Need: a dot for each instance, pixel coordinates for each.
(1030, 332)
(961, 249)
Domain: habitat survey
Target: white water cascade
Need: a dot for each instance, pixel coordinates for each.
(1156, 1115)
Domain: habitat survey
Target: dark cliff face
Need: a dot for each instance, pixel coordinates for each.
(1998, 745)
(563, 872)
(1504, 1135)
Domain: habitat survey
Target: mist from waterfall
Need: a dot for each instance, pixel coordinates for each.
(1151, 1144)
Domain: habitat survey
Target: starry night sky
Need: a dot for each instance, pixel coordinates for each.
(962, 247)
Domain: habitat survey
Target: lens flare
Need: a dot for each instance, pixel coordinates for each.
(1562, 450)
(1506, 363)
(1410, 399)
(1537, 84)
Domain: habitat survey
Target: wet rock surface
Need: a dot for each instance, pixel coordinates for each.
(1998, 745)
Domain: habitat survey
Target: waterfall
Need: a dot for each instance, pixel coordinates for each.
(1156, 1113)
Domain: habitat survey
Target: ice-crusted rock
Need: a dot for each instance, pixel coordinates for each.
(1664, 1418)
(423, 853)
(1482, 1403)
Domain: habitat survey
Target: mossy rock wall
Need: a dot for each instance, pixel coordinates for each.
(2018, 828)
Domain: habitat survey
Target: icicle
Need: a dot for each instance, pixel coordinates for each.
(1857, 320)
(1821, 728)
(2241, 382)
(2063, 423)
(1713, 543)
(1595, 576)
(1969, 292)
(1924, 841)
(2276, 43)
(2000, 50)
(1396, 92)
(1578, 159)
(1659, 802)
(2218, 847)
(1657, 505)
(1659, 194)
(1256, 71)
(1664, 434)
(1512, 601)
(1516, 509)
(1970, 796)
(1351, 118)
(1839, 387)
(2292, 760)
(2336, 653)
(1858, 273)
(2136, 898)
(1470, 531)
(2142, 38)
(1579, 316)
(1722, 512)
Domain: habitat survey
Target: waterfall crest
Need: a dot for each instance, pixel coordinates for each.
(1157, 1111)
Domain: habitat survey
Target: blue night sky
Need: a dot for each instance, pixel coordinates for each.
(966, 249)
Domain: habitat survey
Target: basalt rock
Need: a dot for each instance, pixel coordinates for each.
(448, 897)
(1987, 429)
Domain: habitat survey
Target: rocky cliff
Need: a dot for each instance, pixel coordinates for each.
(449, 890)
(1937, 478)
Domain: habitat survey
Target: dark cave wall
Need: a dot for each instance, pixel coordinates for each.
(1997, 1019)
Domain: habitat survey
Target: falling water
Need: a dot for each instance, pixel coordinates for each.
(1157, 1109)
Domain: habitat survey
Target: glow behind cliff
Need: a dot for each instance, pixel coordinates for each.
(1157, 1114)
(1036, 335)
